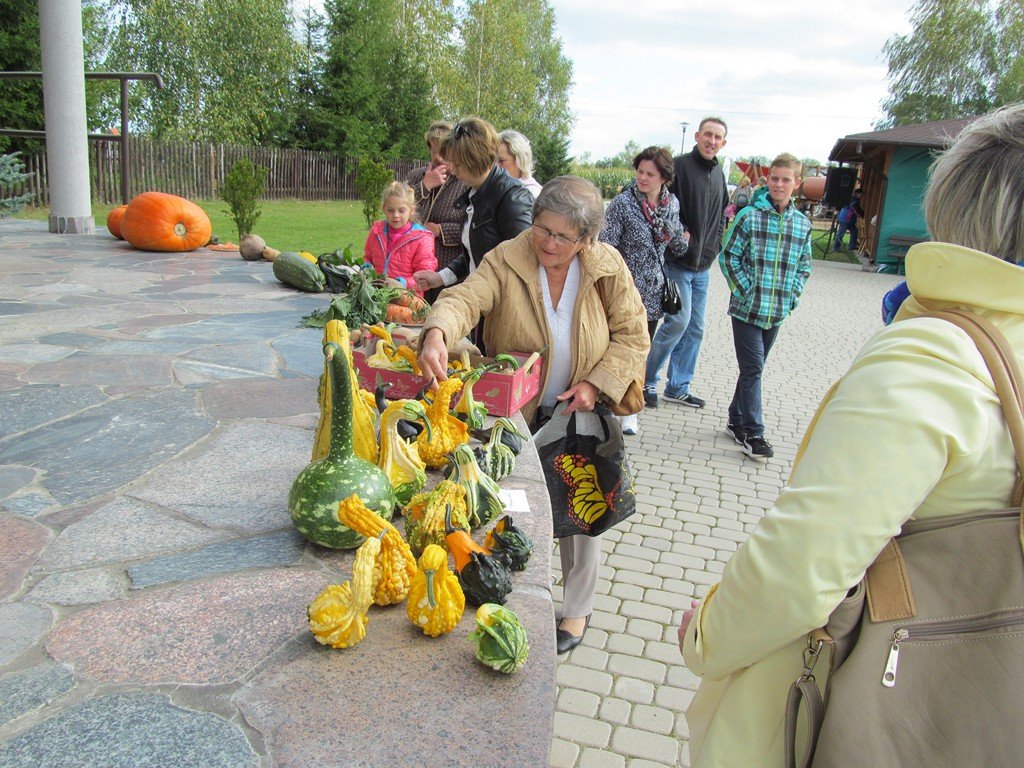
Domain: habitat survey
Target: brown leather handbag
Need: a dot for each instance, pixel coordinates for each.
(926, 656)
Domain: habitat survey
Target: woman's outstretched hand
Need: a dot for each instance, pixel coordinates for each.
(685, 623)
(583, 396)
(433, 357)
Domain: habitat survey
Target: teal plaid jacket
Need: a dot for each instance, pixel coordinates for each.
(766, 261)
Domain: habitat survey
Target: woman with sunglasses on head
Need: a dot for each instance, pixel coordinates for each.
(497, 206)
(556, 288)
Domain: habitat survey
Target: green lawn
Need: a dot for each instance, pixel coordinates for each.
(288, 225)
(318, 227)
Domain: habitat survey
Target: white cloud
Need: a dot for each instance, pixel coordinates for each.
(787, 76)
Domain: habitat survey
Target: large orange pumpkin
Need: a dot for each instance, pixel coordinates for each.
(114, 221)
(155, 221)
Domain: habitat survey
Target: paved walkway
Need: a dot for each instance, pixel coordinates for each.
(623, 692)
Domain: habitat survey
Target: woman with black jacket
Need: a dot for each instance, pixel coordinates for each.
(497, 206)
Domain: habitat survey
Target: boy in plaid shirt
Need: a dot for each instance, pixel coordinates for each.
(766, 261)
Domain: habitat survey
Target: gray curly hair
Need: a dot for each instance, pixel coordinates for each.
(575, 198)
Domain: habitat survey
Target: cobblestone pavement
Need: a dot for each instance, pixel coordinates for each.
(622, 693)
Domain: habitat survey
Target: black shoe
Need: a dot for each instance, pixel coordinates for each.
(756, 447)
(650, 398)
(565, 641)
(688, 399)
(737, 434)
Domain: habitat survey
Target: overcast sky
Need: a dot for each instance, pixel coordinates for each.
(787, 76)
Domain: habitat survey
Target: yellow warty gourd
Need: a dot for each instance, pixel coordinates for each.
(448, 433)
(338, 616)
(394, 565)
(364, 414)
(436, 601)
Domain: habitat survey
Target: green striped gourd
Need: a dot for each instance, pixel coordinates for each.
(323, 484)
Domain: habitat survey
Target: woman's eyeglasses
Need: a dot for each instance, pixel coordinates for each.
(560, 240)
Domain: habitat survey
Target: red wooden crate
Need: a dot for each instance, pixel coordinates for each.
(503, 392)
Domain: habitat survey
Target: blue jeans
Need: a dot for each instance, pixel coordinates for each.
(752, 347)
(841, 230)
(679, 337)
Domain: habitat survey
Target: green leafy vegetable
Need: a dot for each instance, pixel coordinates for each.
(366, 302)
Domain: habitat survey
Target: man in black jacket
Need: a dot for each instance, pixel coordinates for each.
(700, 188)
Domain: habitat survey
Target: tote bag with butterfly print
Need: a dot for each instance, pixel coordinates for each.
(589, 481)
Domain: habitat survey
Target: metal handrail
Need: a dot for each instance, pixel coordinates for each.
(124, 77)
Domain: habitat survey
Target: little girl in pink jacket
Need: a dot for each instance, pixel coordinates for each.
(397, 246)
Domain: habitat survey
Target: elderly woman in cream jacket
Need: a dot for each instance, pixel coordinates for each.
(913, 431)
(556, 288)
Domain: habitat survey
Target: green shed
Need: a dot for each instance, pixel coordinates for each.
(893, 173)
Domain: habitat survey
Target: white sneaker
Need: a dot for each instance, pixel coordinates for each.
(630, 424)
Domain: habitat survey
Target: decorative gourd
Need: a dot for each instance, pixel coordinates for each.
(508, 540)
(114, 221)
(436, 601)
(338, 615)
(155, 221)
(425, 513)
(395, 565)
(510, 437)
(400, 459)
(495, 457)
(324, 483)
(448, 432)
(308, 256)
(485, 578)
(293, 270)
(364, 420)
(474, 411)
(500, 638)
(459, 542)
(483, 503)
(407, 430)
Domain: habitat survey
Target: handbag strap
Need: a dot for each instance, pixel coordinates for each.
(1005, 370)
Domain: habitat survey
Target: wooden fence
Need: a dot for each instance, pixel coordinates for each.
(196, 170)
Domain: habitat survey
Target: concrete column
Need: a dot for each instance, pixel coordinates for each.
(67, 150)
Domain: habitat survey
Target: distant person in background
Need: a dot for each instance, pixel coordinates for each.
(437, 190)
(740, 199)
(640, 221)
(515, 155)
(700, 188)
(760, 191)
(847, 220)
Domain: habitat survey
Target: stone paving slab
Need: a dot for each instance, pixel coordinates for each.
(21, 542)
(130, 730)
(241, 462)
(282, 548)
(172, 636)
(123, 530)
(34, 688)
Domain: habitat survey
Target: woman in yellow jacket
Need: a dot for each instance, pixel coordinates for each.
(556, 288)
(913, 431)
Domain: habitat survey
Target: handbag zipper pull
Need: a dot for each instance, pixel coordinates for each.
(889, 676)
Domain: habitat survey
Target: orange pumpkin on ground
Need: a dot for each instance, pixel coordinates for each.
(114, 221)
(156, 221)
